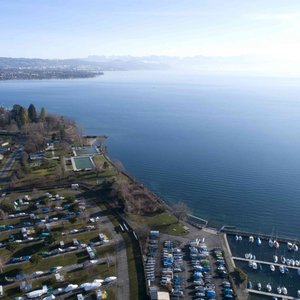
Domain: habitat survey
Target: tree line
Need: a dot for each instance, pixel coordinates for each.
(19, 116)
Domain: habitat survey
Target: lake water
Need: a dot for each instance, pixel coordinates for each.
(228, 147)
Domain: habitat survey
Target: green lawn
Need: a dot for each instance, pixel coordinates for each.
(164, 222)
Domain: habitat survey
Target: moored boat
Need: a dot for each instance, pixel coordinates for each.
(284, 290)
(295, 247)
(259, 286)
(276, 244)
(271, 243)
(250, 286)
(279, 290)
(297, 263)
(275, 258)
(240, 238)
(258, 241)
(269, 287)
(281, 269)
(289, 245)
(272, 268)
(251, 239)
(282, 258)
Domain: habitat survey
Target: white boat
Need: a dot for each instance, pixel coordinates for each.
(297, 263)
(288, 261)
(295, 247)
(109, 279)
(247, 255)
(272, 268)
(253, 257)
(250, 263)
(240, 238)
(50, 297)
(293, 262)
(279, 290)
(275, 258)
(70, 287)
(269, 287)
(289, 245)
(251, 239)
(37, 293)
(271, 243)
(236, 238)
(254, 265)
(258, 241)
(282, 258)
(281, 269)
(284, 290)
(259, 286)
(276, 244)
(298, 293)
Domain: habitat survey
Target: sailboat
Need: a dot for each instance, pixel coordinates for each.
(258, 241)
(284, 290)
(289, 246)
(275, 258)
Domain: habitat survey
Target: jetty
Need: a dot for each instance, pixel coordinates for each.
(279, 296)
(265, 262)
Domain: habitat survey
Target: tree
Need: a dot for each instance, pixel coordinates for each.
(35, 259)
(181, 210)
(24, 116)
(7, 207)
(24, 158)
(32, 113)
(12, 247)
(42, 116)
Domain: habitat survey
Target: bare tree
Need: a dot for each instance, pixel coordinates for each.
(181, 210)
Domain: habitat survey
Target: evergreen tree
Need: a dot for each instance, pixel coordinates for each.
(32, 113)
(42, 116)
(24, 116)
(16, 114)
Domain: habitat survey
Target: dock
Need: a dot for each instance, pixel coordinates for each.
(265, 262)
(279, 296)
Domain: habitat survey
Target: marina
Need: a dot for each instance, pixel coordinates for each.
(264, 262)
(269, 294)
(272, 264)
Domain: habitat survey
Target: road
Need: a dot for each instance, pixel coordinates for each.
(4, 171)
(123, 290)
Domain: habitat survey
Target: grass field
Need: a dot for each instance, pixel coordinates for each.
(164, 222)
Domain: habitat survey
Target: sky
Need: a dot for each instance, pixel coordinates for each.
(267, 29)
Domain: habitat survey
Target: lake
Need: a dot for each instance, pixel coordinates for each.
(227, 146)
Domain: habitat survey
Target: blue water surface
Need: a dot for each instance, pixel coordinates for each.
(227, 146)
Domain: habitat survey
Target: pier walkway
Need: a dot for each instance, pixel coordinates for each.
(264, 262)
(279, 296)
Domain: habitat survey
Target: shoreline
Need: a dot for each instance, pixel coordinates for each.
(226, 229)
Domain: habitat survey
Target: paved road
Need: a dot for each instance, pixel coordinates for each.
(123, 290)
(4, 171)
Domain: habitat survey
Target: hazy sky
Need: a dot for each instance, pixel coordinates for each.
(62, 28)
